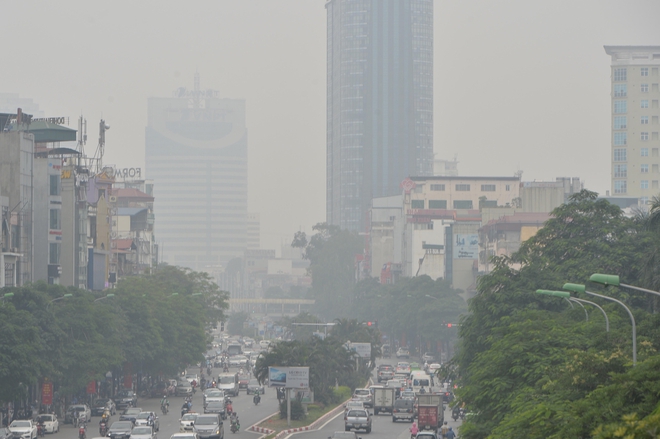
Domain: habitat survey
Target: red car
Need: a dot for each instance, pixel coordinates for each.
(243, 381)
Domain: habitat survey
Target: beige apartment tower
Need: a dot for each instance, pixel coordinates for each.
(635, 125)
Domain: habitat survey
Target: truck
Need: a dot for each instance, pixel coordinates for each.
(383, 399)
(431, 412)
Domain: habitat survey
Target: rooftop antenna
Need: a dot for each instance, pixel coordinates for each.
(100, 149)
(82, 137)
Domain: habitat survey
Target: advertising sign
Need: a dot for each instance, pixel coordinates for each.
(91, 387)
(466, 246)
(362, 349)
(47, 393)
(288, 377)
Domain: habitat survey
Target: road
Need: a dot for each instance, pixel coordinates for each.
(169, 424)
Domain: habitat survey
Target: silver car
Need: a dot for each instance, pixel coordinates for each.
(143, 432)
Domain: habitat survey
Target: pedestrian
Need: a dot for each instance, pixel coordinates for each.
(444, 430)
(450, 434)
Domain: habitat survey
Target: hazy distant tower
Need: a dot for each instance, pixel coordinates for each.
(635, 125)
(379, 102)
(196, 153)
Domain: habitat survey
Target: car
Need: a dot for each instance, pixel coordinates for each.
(103, 404)
(213, 394)
(433, 367)
(344, 435)
(408, 394)
(183, 388)
(187, 422)
(77, 411)
(215, 407)
(238, 361)
(50, 422)
(357, 420)
(142, 432)
(402, 367)
(402, 353)
(243, 381)
(125, 398)
(353, 404)
(426, 434)
(189, 435)
(254, 387)
(403, 409)
(143, 419)
(365, 396)
(209, 426)
(162, 388)
(264, 344)
(120, 430)
(385, 372)
(428, 357)
(22, 429)
(130, 414)
(192, 377)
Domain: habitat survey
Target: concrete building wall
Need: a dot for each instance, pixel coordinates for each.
(463, 192)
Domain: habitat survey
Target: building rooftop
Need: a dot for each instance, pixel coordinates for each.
(510, 222)
(610, 50)
(443, 177)
(130, 211)
(132, 193)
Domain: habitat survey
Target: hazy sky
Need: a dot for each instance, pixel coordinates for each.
(519, 84)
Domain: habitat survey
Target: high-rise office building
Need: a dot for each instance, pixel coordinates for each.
(379, 102)
(635, 125)
(196, 154)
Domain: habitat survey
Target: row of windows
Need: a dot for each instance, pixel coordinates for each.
(621, 138)
(621, 170)
(621, 74)
(621, 186)
(620, 154)
(441, 204)
(463, 187)
(621, 90)
(621, 106)
(621, 122)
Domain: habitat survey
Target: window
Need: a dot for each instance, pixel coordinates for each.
(655, 169)
(417, 204)
(620, 187)
(655, 120)
(621, 107)
(644, 120)
(463, 187)
(620, 122)
(487, 188)
(507, 188)
(644, 184)
(654, 184)
(655, 103)
(655, 71)
(644, 168)
(644, 103)
(644, 88)
(620, 90)
(620, 74)
(654, 136)
(55, 219)
(620, 171)
(462, 204)
(54, 253)
(644, 152)
(644, 71)
(620, 138)
(643, 136)
(437, 187)
(620, 155)
(437, 204)
(654, 152)
(55, 185)
(654, 88)
(643, 201)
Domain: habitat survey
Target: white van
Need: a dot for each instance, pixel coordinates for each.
(420, 379)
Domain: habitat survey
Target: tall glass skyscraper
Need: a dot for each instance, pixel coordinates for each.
(379, 102)
(196, 153)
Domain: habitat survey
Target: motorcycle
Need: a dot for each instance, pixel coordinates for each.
(41, 430)
(103, 429)
(235, 426)
(455, 414)
(164, 408)
(461, 414)
(256, 399)
(208, 371)
(82, 433)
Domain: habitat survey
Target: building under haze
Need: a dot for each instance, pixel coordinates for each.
(635, 125)
(196, 154)
(379, 102)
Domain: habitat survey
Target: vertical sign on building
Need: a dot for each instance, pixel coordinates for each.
(47, 392)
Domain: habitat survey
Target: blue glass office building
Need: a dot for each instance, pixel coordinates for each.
(379, 102)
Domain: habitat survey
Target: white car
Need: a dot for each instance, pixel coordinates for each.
(23, 429)
(192, 377)
(264, 344)
(188, 435)
(354, 404)
(51, 424)
(142, 432)
(238, 361)
(187, 422)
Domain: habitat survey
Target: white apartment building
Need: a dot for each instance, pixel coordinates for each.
(635, 125)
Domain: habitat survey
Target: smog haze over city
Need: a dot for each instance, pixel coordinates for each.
(518, 85)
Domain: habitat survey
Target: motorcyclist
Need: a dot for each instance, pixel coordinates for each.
(257, 396)
(450, 434)
(164, 404)
(235, 423)
(455, 412)
(229, 408)
(150, 419)
(414, 430)
(103, 426)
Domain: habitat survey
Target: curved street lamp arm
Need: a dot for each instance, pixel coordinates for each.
(632, 319)
(586, 313)
(644, 290)
(569, 302)
(607, 320)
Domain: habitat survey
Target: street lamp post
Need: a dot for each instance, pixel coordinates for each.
(567, 296)
(607, 320)
(611, 279)
(59, 298)
(579, 288)
(105, 297)
(6, 296)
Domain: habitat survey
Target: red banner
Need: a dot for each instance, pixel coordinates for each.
(91, 387)
(128, 376)
(47, 393)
